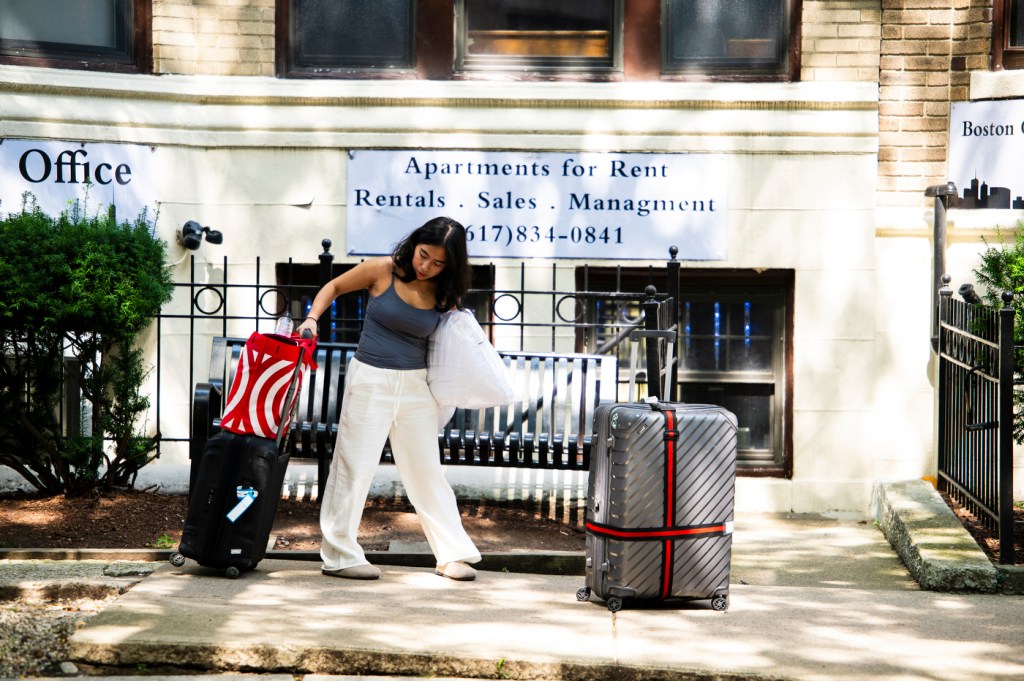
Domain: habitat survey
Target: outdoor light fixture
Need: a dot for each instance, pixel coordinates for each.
(191, 235)
(969, 295)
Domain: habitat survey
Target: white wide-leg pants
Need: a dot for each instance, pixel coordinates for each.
(378, 404)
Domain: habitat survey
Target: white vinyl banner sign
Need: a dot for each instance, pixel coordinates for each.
(986, 153)
(57, 173)
(541, 204)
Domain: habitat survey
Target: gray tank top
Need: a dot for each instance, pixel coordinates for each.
(395, 333)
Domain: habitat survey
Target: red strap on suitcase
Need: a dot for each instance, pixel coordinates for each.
(670, 485)
(649, 533)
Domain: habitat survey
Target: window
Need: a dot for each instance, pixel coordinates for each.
(107, 35)
(1008, 34)
(733, 352)
(711, 36)
(330, 35)
(734, 347)
(538, 35)
(539, 39)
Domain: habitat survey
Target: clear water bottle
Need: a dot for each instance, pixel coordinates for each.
(284, 325)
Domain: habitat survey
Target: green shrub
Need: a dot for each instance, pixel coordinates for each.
(1002, 269)
(80, 287)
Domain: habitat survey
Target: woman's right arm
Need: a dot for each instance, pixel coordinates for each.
(366, 275)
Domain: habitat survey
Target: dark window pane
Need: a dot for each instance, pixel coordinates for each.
(702, 354)
(727, 335)
(725, 34)
(352, 34)
(750, 355)
(702, 318)
(1016, 25)
(726, 354)
(58, 28)
(752, 405)
(749, 318)
(537, 32)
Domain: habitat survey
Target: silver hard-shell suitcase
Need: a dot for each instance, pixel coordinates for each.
(660, 503)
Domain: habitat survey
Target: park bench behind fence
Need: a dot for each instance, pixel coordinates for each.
(549, 425)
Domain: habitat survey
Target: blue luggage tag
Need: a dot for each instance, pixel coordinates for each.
(245, 498)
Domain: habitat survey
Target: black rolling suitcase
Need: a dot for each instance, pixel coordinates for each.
(660, 503)
(234, 498)
(232, 505)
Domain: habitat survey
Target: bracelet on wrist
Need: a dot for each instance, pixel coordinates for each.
(313, 318)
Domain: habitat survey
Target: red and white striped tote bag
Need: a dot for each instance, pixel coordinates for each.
(256, 400)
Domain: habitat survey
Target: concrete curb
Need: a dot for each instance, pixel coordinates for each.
(62, 579)
(939, 553)
(548, 562)
(1011, 579)
(67, 574)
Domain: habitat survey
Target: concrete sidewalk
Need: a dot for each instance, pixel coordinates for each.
(812, 598)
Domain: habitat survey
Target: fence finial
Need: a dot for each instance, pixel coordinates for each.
(326, 243)
(946, 289)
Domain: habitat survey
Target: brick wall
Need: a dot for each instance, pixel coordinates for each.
(236, 37)
(840, 40)
(920, 52)
(213, 37)
(928, 49)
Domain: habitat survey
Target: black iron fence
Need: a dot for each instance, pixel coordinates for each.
(975, 419)
(523, 307)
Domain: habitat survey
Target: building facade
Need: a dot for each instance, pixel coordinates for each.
(821, 124)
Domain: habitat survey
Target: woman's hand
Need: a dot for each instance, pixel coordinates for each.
(308, 324)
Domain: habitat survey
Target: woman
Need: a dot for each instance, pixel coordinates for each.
(386, 395)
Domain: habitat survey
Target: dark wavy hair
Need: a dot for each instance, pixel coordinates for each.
(454, 280)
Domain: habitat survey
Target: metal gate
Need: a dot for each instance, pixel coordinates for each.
(975, 420)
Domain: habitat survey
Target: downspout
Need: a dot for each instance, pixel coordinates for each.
(941, 194)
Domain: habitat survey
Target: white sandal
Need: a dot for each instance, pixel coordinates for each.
(457, 570)
(364, 571)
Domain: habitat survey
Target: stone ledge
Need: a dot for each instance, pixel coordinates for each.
(55, 574)
(940, 554)
(63, 579)
(1011, 579)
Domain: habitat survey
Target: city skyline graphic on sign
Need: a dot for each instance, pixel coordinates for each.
(978, 194)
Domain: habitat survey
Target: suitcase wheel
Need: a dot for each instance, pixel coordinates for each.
(232, 572)
(583, 594)
(720, 603)
(614, 604)
(176, 559)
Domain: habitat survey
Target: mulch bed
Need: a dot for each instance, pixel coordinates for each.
(985, 534)
(139, 519)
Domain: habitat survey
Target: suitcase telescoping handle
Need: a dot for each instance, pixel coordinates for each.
(288, 415)
(653, 373)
